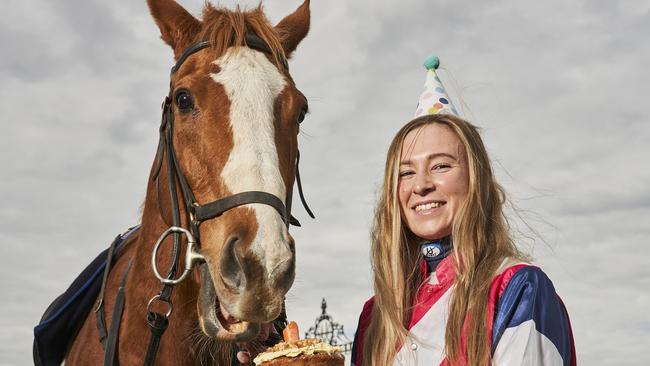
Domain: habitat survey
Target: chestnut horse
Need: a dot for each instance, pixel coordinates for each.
(230, 126)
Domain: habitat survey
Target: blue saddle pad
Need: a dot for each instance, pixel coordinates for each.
(61, 321)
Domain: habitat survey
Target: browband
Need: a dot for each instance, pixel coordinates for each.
(252, 41)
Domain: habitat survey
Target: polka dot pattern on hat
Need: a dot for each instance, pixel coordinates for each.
(434, 98)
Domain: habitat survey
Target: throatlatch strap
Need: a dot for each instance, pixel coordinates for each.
(302, 195)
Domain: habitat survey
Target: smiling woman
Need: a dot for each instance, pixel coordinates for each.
(451, 287)
(433, 180)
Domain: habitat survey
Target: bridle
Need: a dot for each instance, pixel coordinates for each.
(196, 211)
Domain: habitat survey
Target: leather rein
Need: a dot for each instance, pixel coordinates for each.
(197, 213)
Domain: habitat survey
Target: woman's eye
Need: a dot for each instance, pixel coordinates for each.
(405, 174)
(441, 166)
(184, 101)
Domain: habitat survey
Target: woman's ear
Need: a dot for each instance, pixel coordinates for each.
(293, 28)
(177, 26)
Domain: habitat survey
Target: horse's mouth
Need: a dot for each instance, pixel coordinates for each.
(215, 321)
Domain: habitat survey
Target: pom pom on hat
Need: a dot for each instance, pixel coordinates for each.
(432, 62)
(434, 98)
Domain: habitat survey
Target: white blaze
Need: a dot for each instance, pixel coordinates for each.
(252, 84)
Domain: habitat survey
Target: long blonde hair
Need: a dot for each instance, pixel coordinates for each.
(482, 241)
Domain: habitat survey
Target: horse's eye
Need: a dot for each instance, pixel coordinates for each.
(301, 116)
(184, 101)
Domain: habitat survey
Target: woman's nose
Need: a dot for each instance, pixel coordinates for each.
(423, 184)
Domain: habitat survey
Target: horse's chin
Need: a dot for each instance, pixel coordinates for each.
(212, 320)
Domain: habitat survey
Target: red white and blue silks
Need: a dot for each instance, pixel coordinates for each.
(528, 322)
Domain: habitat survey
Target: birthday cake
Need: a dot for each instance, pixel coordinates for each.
(300, 352)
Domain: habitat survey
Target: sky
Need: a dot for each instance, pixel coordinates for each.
(559, 89)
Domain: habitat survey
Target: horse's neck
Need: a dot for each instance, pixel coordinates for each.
(156, 218)
(152, 226)
(177, 342)
(183, 343)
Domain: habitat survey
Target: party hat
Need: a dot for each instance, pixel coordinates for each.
(434, 98)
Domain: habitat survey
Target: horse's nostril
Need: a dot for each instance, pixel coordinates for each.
(283, 273)
(232, 271)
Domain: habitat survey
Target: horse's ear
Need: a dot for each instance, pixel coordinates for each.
(293, 28)
(177, 26)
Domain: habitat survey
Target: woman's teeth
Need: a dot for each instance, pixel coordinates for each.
(427, 206)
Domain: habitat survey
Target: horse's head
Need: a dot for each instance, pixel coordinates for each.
(236, 112)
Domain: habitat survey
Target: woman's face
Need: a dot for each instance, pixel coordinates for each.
(433, 180)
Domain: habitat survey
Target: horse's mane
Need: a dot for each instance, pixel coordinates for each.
(225, 28)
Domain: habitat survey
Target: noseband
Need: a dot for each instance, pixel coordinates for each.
(197, 214)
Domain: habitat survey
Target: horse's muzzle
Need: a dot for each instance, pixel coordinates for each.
(212, 322)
